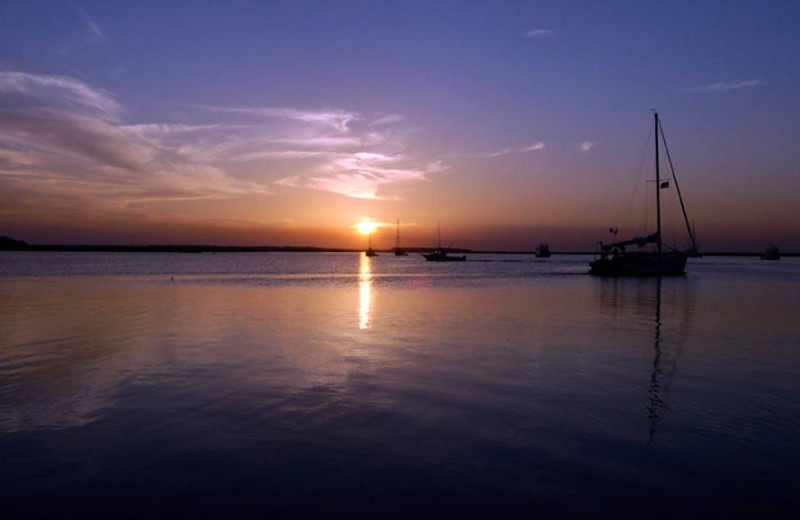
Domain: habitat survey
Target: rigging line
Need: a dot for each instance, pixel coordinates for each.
(677, 187)
(625, 216)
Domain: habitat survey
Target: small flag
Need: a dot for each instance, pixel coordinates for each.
(664, 184)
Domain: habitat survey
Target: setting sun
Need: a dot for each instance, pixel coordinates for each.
(366, 226)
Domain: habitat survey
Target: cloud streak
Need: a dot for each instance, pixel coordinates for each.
(361, 175)
(539, 34)
(95, 34)
(20, 88)
(338, 119)
(386, 119)
(724, 86)
(538, 145)
(587, 146)
(81, 138)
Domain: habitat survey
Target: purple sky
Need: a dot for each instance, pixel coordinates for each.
(511, 123)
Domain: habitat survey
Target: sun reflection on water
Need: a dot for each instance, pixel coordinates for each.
(365, 290)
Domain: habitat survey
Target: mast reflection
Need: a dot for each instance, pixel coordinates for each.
(666, 306)
(654, 390)
(365, 292)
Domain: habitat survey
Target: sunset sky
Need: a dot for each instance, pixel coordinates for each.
(286, 123)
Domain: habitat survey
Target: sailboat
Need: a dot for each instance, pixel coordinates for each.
(397, 250)
(543, 251)
(772, 253)
(440, 255)
(370, 252)
(616, 260)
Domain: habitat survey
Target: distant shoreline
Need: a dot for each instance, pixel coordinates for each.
(10, 244)
(285, 249)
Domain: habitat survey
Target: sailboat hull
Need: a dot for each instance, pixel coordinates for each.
(442, 256)
(672, 263)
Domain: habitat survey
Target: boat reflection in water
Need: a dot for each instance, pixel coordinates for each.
(670, 315)
(365, 292)
(654, 390)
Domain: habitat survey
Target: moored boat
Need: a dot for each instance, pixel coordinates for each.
(772, 253)
(370, 252)
(440, 254)
(543, 251)
(616, 260)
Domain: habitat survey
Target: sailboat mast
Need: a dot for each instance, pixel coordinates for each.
(369, 236)
(658, 191)
(397, 241)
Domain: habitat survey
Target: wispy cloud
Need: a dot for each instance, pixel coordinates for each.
(539, 33)
(95, 34)
(587, 145)
(363, 174)
(332, 150)
(338, 119)
(538, 145)
(282, 154)
(386, 119)
(63, 139)
(72, 136)
(723, 86)
(500, 153)
(320, 142)
(54, 91)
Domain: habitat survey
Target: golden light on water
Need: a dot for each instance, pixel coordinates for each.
(365, 292)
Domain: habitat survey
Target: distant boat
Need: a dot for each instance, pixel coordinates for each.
(616, 260)
(440, 255)
(397, 250)
(543, 251)
(772, 253)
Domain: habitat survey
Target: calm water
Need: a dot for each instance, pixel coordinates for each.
(302, 385)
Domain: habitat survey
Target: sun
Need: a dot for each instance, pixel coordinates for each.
(366, 226)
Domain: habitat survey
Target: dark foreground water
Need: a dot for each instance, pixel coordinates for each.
(322, 385)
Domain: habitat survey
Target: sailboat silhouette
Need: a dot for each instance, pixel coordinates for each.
(615, 258)
(440, 255)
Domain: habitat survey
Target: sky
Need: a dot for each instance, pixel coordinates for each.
(507, 123)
